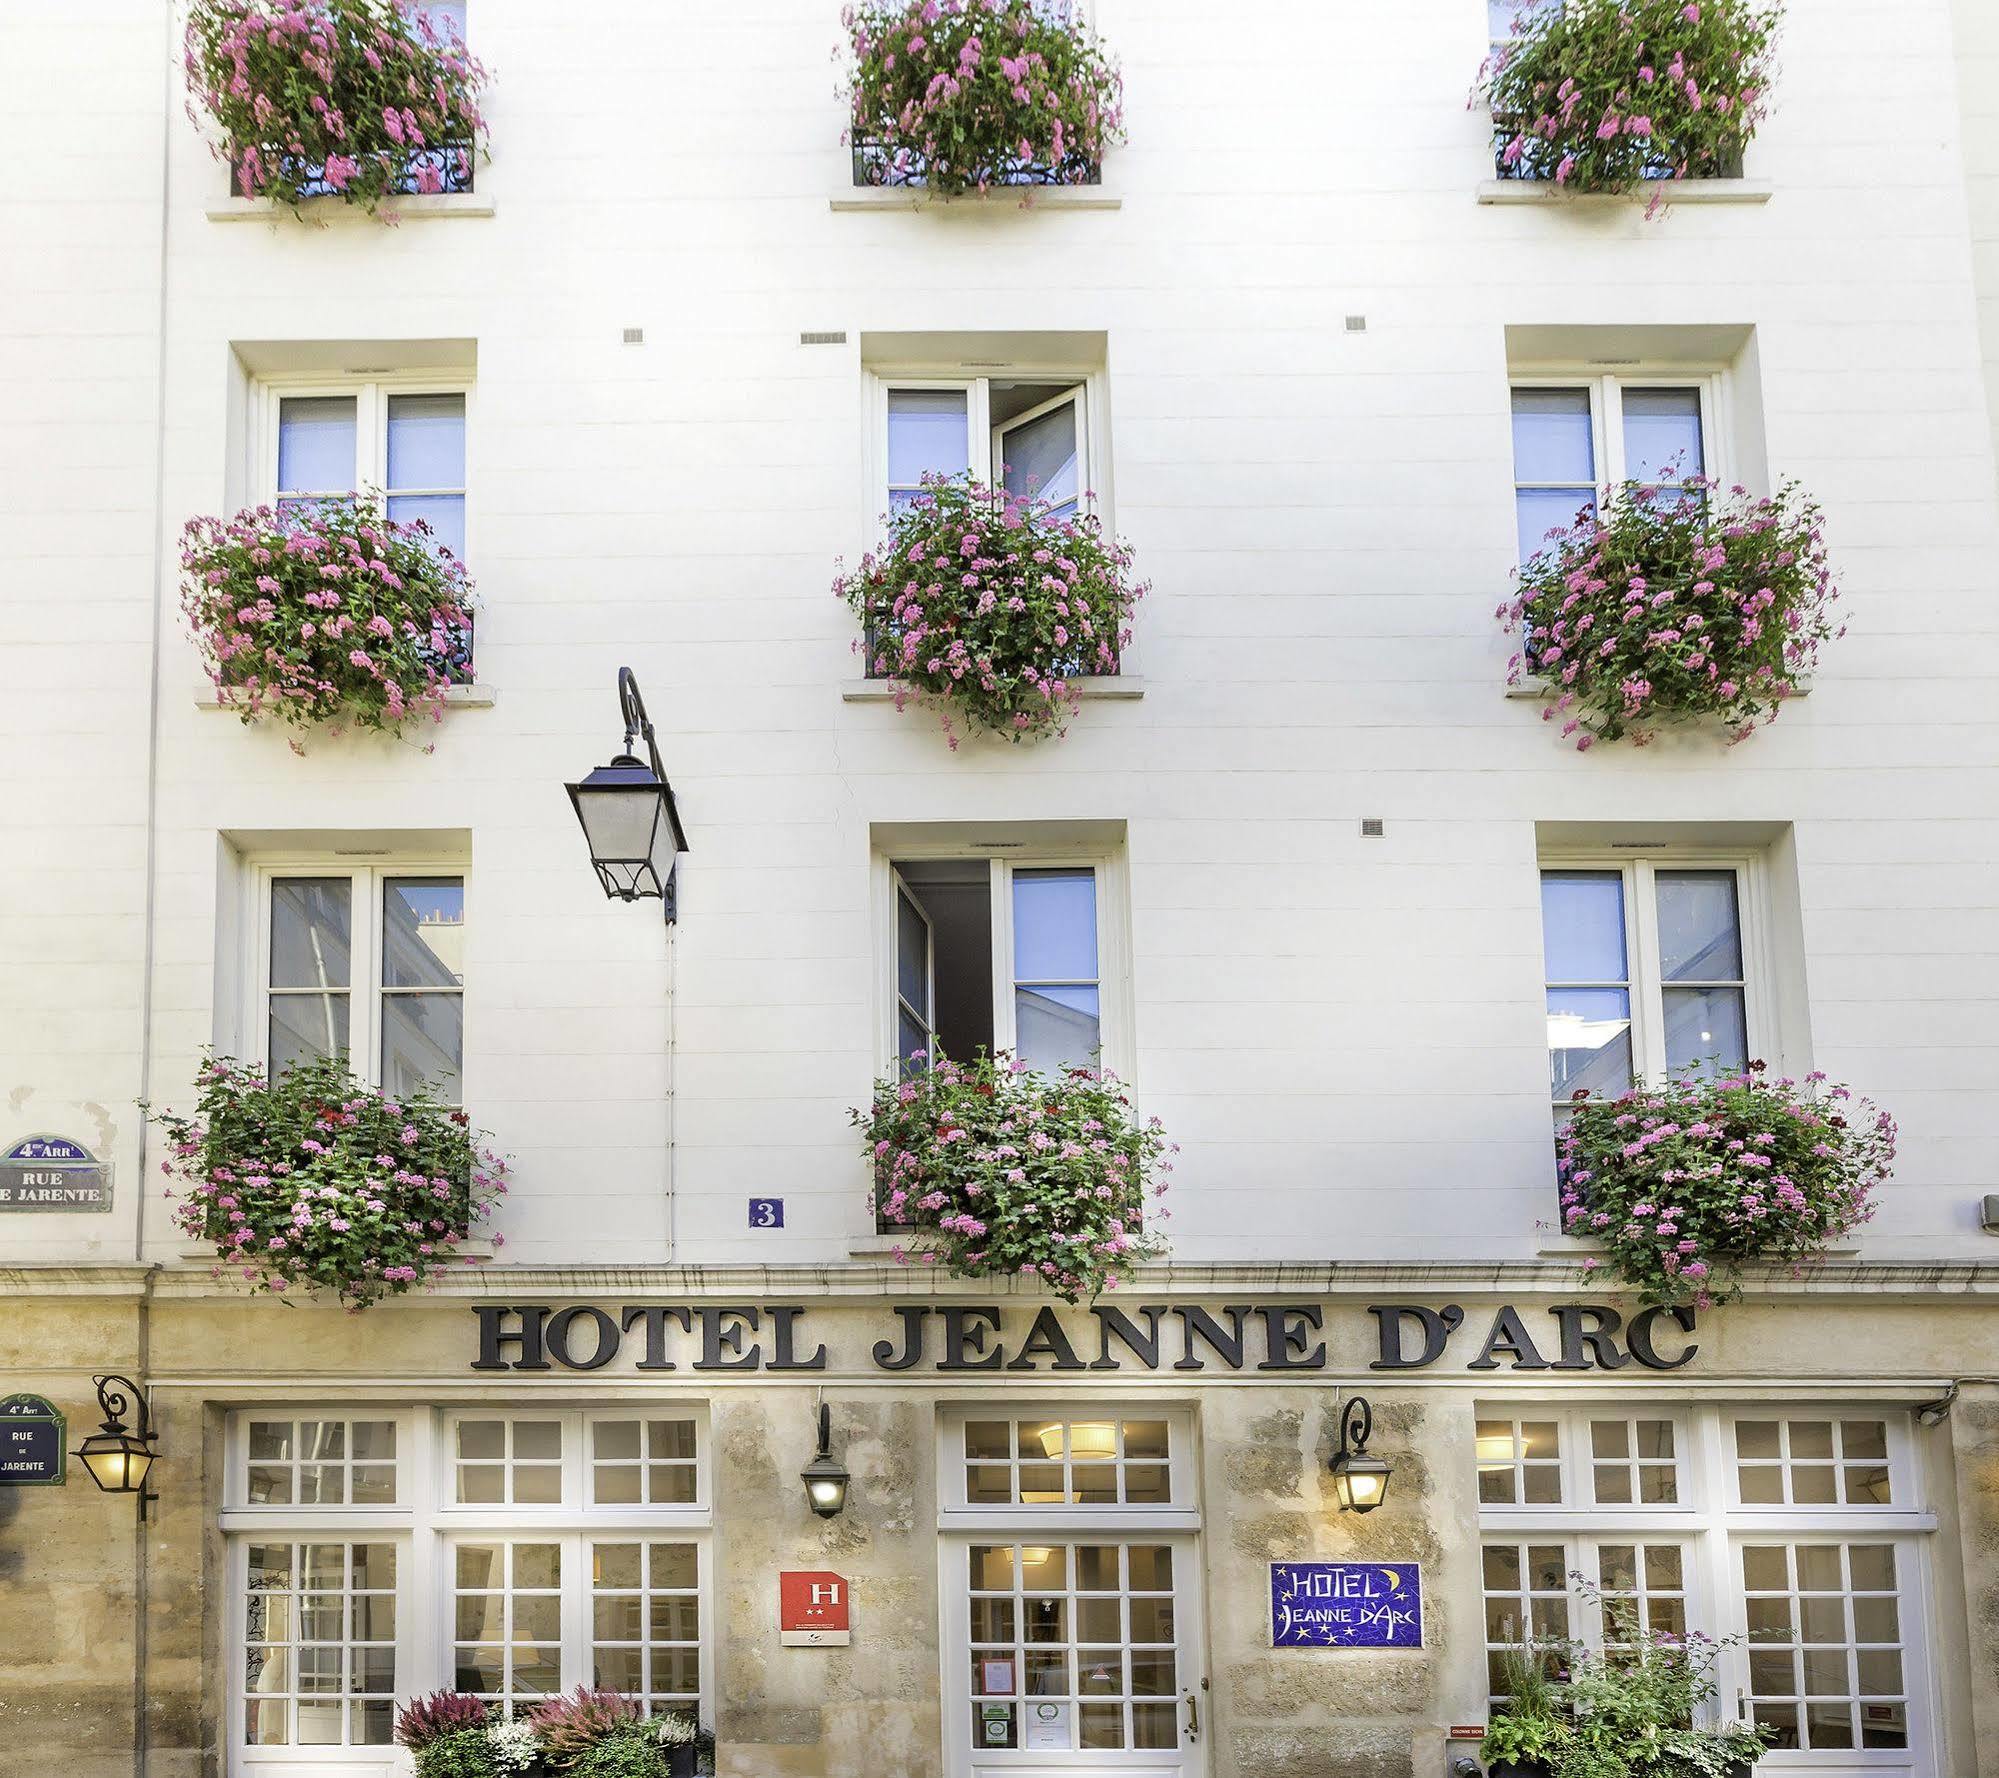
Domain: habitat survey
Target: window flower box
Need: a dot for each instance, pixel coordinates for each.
(1674, 602)
(316, 1181)
(359, 100)
(1687, 1184)
(992, 1171)
(326, 612)
(1621, 96)
(970, 95)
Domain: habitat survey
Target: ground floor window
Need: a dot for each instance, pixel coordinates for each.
(1800, 1534)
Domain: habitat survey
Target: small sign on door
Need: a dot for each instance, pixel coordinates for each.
(812, 1610)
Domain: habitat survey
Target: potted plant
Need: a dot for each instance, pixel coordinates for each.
(1608, 95)
(358, 100)
(319, 1181)
(995, 1171)
(327, 611)
(1674, 603)
(447, 1733)
(1627, 1709)
(1687, 1183)
(593, 1733)
(989, 604)
(963, 95)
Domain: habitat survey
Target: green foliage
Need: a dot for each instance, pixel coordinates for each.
(458, 1753)
(623, 1750)
(318, 1180)
(1003, 1171)
(1602, 95)
(964, 94)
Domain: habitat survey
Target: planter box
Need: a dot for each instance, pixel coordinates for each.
(1537, 165)
(873, 166)
(1507, 1769)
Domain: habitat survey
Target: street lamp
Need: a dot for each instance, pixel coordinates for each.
(1359, 1481)
(825, 1477)
(628, 813)
(119, 1459)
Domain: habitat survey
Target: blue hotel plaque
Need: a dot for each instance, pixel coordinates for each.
(1346, 1605)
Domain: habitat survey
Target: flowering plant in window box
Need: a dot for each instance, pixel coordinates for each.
(1605, 95)
(996, 1171)
(1680, 602)
(357, 99)
(318, 1181)
(315, 611)
(987, 604)
(1687, 1183)
(961, 95)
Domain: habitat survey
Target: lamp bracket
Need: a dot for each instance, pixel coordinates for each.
(1356, 1426)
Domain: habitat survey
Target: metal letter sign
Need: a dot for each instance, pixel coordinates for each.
(812, 1610)
(1346, 1605)
(31, 1442)
(53, 1173)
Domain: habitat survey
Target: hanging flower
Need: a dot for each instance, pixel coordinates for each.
(1674, 602)
(1605, 95)
(1687, 1183)
(989, 605)
(357, 99)
(959, 95)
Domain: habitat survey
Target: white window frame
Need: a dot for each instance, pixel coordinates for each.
(1115, 1049)
(1606, 390)
(1092, 460)
(425, 1527)
(371, 427)
(955, 1512)
(1711, 1525)
(364, 1022)
(1762, 1035)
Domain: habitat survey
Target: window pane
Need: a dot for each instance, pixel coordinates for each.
(1551, 436)
(427, 441)
(1056, 1028)
(1545, 510)
(311, 931)
(1700, 936)
(1055, 925)
(912, 955)
(423, 1043)
(423, 932)
(1582, 926)
(306, 1027)
(1662, 434)
(1039, 457)
(1589, 1041)
(1705, 1029)
(927, 434)
(443, 513)
(316, 444)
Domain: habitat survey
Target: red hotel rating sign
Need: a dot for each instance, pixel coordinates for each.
(812, 1610)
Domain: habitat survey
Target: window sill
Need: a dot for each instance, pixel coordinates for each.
(456, 697)
(1110, 688)
(1670, 192)
(416, 207)
(1014, 197)
(1581, 1247)
(203, 1252)
(1536, 691)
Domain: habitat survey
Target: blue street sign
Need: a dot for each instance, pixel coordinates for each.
(1346, 1605)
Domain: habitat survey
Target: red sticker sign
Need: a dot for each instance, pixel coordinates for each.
(812, 1610)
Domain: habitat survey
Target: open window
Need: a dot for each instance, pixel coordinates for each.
(1028, 433)
(1001, 955)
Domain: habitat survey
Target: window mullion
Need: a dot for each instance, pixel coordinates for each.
(1648, 1009)
(365, 1051)
(979, 428)
(1610, 406)
(1005, 1036)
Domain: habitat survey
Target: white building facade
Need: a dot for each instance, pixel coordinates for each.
(1313, 872)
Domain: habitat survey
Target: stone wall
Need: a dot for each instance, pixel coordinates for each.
(1974, 1425)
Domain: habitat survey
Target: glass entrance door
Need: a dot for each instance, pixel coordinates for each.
(1074, 1656)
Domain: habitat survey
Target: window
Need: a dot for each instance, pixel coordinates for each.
(319, 1644)
(369, 964)
(375, 1556)
(407, 443)
(1028, 434)
(1572, 437)
(1646, 974)
(1805, 1546)
(994, 955)
(1039, 1462)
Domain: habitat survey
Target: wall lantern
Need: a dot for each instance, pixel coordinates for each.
(1359, 1481)
(628, 813)
(120, 1459)
(825, 1477)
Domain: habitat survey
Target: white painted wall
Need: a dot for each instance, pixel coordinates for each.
(1346, 1035)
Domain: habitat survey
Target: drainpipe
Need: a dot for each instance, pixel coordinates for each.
(141, 1548)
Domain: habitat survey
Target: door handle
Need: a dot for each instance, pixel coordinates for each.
(1193, 1717)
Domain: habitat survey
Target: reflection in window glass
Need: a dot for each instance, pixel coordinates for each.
(929, 433)
(1057, 1011)
(507, 1620)
(311, 958)
(319, 1644)
(426, 466)
(423, 985)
